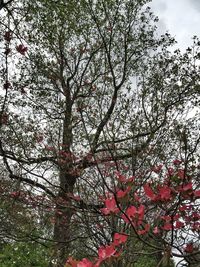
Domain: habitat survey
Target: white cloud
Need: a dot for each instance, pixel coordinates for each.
(181, 18)
(196, 4)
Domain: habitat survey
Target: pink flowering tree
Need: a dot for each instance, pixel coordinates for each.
(161, 210)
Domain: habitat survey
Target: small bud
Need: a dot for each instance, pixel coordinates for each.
(7, 51)
(23, 91)
(21, 49)
(4, 119)
(6, 85)
(8, 36)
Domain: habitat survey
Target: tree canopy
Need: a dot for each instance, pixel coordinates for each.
(99, 138)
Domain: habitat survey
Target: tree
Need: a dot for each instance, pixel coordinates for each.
(5, 4)
(94, 90)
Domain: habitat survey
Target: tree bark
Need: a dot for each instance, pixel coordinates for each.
(67, 179)
(63, 215)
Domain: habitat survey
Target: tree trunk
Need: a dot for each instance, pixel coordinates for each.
(67, 179)
(63, 215)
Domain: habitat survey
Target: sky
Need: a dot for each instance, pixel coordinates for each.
(181, 18)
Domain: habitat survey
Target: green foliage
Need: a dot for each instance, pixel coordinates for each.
(24, 254)
(146, 261)
(150, 261)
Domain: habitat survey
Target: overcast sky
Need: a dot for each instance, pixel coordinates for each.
(180, 17)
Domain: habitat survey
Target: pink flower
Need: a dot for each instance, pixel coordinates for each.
(85, 263)
(165, 193)
(179, 225)
(123, 193)
(156, 230)
(189, 248)
(106, 252)
(157, 169)
(167, 227)
(170, 171)
(187, 187)
(149, 192)
(119, 238)
(130, 212)
(110, 207)
(134, 214)
(15, 194)
(177, 162)
(181, 173)
(197, 193)
(145, 230)
(123, 178)
(71, 262)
